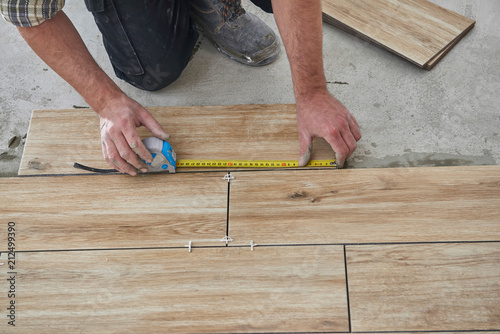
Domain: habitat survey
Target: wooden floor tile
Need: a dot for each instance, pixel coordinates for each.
(58, 138)
(418, 30)
(366, 205)
(114, 211)
(427, 287)
(215, 290)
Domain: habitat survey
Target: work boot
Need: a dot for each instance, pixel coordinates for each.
(238, 34)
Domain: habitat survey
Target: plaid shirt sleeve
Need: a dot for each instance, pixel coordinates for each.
(29, 13)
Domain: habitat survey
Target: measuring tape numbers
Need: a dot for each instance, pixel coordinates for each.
(252, 163)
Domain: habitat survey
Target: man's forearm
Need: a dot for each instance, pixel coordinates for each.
(59, 45)
(319, 114)
(57, 42)
(300, 26)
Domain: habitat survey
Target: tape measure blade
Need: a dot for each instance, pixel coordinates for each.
(220, 163)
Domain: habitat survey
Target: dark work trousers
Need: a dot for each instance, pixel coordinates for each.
(149, 42)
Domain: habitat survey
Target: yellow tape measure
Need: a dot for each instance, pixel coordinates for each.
(252, 163)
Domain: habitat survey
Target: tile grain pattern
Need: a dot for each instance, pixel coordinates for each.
(114, 211)
(425, 287)
(58, 138)
(85, 281)
(214, 290)
(366, 205)
(417, 30)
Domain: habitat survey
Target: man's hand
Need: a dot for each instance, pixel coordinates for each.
(121, 144)
(57, 42)
(319, 114)
(324, 116)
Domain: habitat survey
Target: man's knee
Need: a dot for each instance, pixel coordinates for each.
(154, 77)
(149, 50)
(265, 5)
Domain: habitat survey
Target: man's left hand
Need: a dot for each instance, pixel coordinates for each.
(324, 116)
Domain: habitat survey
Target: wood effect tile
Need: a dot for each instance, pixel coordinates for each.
(366, 205)
(417, 30)
(58, 138)
(114, 211)
(427, 287)
(215, 290)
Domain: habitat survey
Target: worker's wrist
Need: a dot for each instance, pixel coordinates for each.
(308, 83)
(104, 96)
(306, 94)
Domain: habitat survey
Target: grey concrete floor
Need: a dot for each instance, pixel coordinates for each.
(409, 116)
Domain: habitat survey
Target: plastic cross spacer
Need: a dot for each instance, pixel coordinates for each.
(228, 177)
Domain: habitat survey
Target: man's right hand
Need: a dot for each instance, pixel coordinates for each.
(57, 42)
(122, 147)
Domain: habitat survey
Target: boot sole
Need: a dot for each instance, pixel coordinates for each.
(270, 53)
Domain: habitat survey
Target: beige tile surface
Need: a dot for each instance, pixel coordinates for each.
(215, 290)
(424, 287)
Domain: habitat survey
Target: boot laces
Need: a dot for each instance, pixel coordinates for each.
(231, 9)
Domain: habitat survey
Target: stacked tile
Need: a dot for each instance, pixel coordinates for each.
(417, 30)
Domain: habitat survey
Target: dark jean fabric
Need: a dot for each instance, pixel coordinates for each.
(149, 42)
(265, 5)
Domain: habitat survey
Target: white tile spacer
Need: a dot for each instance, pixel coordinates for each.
(189, 246)
(252, 245)
(226, 239)
(228, 177)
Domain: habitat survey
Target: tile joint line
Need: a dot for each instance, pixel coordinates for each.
(347, 290)
(228, 177)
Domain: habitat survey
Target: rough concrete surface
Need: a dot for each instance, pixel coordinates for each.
(409, 116)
